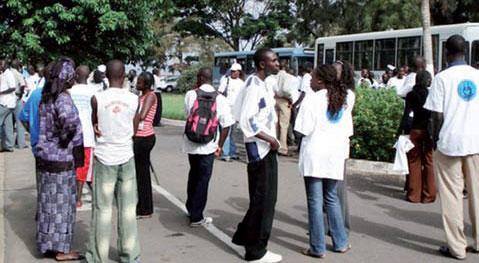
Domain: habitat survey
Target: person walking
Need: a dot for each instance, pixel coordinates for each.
(285, 96)
(421, 183)
(454, 104)
(203, 141)
(16, 67)
(324, 120)
(81, 94)
(143, 143)
(230, 89)
(8, 102)
(31, 121)
(58, 152)
(115, 121)
(255, 111)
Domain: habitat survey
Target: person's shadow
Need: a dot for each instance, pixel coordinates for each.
(21, 218)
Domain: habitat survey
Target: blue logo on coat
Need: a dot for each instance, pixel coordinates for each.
(336, 117)
(467, 90)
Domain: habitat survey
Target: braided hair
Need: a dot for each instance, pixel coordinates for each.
(337, 91)
(59, 77)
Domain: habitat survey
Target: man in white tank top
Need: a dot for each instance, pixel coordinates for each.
(115, 120)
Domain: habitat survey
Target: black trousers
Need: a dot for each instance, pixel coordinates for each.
(142, 147)
(254, 231)
(201, 168)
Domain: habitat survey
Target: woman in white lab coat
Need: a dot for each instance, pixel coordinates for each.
(325, 119)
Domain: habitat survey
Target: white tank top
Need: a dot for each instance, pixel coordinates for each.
(116, 111)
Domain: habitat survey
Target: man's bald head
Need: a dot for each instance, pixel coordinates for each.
(3, 65)
(419, 64)
(16, 64)
(205, 76)
(115, 70)
(82, 73)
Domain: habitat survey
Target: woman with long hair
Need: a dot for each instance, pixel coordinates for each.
(143, 143)
(324, 121)
(59, 152)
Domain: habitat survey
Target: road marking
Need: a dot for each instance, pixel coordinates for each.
(210, 227)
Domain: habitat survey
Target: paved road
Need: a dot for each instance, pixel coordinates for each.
(384, 227)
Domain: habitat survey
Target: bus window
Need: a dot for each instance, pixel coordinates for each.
(408, 49)
(320, 54)
(344, 51)
(475, 54)
(444, 55)
(249, 67)
(302, 61)
(385, 53)
(223, 63)
(363, 54)
(329, 56)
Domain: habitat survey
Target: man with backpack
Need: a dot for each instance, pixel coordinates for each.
(206, 110)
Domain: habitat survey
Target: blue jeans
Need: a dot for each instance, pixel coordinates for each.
(20, 129)
(319, 192)
(229, 148)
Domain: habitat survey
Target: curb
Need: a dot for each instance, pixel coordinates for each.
(2, 208)
(170, 122)
(355, 166)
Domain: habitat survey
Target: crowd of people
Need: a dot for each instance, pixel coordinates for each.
(90, 127)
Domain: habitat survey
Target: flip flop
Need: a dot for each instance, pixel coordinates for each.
(69, 257)
(307, 252)
(444, 250)
(344, 250)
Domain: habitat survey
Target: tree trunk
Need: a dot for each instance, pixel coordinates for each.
(427, 38)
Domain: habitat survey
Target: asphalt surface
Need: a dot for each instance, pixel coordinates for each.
(385, 228)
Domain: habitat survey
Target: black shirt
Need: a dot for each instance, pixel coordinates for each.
(414, 102)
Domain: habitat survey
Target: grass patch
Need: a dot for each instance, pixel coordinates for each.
(173, 106)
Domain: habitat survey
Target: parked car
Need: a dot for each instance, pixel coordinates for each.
(168, 84)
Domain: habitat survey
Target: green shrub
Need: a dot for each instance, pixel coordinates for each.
(187, 79)
(376, 118)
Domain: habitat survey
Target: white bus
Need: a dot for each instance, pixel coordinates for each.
(375, 50)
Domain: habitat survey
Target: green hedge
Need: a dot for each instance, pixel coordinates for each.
(187, 79)
(376, 117)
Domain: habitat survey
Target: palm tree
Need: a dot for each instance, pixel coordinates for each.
(427, 38)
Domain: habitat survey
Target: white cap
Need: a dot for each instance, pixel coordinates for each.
(236, 67)
(391, 67)
(101, 68)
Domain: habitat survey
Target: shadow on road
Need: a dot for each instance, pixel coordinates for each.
(22, 221)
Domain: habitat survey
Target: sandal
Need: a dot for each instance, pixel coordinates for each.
(344, 250)
(144, 217)
(445, 251)
(72, 256)
(307, 252)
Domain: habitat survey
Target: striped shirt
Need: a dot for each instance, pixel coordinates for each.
(145, 128)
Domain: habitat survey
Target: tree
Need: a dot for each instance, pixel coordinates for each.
(454, 11)
(89, 31)
(329, 17)
(427, 37)
(241, 24)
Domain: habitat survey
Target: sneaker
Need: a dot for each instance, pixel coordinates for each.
(203, 222)
(269, 257)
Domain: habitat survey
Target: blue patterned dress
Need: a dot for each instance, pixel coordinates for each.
(60, 145)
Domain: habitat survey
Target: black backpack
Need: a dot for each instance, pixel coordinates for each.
(202, 123)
